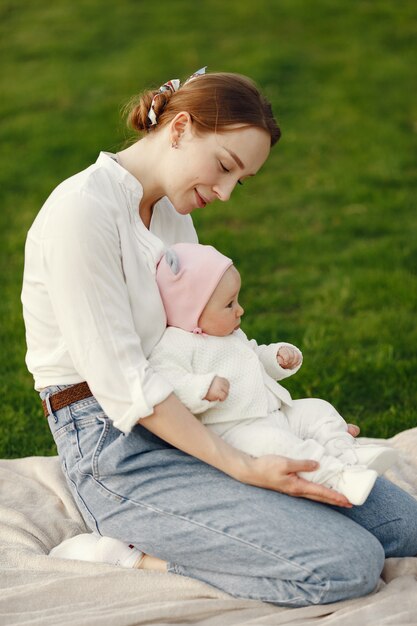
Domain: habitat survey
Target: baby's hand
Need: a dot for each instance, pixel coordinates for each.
(218, 390)
(289, 358)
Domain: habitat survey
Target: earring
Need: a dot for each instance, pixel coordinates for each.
(174, 144)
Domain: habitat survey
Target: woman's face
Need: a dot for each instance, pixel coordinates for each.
(207, 167)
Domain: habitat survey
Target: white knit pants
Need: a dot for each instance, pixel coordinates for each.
(310, 429)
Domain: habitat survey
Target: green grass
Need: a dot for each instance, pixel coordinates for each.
(325, 236)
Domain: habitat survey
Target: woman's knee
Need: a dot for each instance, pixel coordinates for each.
(354, 570)
(348, 569)
(341, 576)
(390, 514)
(347, 574)
(366, 566)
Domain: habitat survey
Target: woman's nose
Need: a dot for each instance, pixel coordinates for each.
(224, 190)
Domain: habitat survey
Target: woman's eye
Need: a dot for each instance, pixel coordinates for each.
(224, 168)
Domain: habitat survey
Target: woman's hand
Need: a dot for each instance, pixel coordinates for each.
(279, 473)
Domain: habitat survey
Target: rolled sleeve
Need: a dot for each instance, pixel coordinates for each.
(155, 389)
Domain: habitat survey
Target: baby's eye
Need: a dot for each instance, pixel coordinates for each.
(239, 182)
(229, 306)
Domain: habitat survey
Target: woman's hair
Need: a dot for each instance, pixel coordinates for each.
(214, 101)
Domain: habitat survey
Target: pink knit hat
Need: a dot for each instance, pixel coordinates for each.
(187, 275)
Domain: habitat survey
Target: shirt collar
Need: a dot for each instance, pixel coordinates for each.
(109, 162)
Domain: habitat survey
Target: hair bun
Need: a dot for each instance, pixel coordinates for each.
(139, 109)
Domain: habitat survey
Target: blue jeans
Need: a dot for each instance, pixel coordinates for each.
(250, 542)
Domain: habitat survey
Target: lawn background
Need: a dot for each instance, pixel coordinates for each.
(325, 236)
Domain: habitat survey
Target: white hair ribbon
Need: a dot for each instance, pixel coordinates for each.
(173, 86)
(196, 74)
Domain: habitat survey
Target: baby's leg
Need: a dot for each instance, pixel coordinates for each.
(271, 435)
(312, 418)
(317, 419)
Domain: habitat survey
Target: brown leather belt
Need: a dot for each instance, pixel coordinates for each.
(63, 398)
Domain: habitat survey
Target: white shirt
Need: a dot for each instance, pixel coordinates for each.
(190, 362)
(91, 304)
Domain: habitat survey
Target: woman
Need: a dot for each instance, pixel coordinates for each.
(141, 467)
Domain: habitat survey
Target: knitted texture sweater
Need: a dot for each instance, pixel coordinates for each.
(191, 361)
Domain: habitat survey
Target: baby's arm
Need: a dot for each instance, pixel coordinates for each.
(270, 354)
(174, 362)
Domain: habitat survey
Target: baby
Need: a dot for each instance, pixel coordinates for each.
(230, 383)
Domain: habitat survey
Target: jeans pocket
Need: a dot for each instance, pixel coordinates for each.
(91, 426)
(66, 439)
(109, 453)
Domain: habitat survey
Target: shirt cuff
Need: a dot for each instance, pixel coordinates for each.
(155, 389)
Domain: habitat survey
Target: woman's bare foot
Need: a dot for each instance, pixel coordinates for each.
(152, 563)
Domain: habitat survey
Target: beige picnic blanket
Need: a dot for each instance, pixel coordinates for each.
(37, 512)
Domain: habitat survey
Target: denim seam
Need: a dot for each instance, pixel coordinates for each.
(80, 497)
(181, 571)
(326, 583)
(99, 447)
(390, 521)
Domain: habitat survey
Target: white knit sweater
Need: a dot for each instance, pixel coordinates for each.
(191, 361)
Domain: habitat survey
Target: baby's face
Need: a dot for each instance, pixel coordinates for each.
(222, 312)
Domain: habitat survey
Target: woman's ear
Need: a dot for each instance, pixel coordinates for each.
(181, 123)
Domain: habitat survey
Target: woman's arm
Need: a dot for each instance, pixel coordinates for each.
(172, 422)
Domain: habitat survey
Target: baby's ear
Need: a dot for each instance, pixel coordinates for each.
(173, 262)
